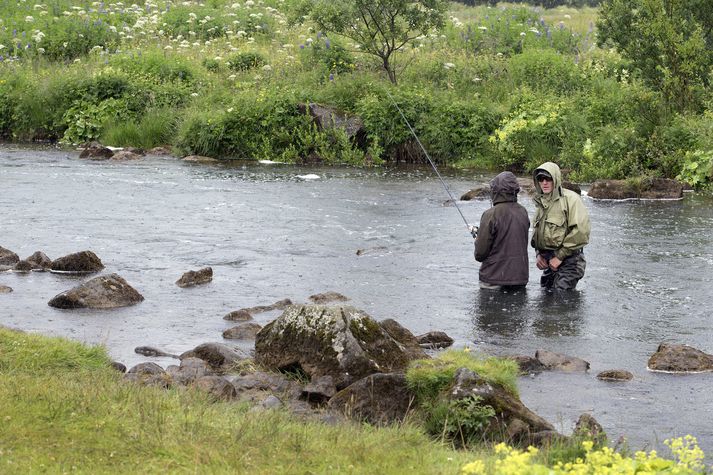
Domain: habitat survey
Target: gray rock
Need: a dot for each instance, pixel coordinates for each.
(434, 339)
(217, 355)
(648, 188)
(244, 331)
(342, 342)
(319, 390)
(327, 297)
(4, 289)
(199, 277)
(23, 266)
(673, 358)
(189, 370)
(120, 367)
(96, 151)
(560, 362)
(615, 375)
(479, 192)
(329, 118)
(79, 262)
(7, 257)
(238, 316)
(40, 261)
(103, 292)
(588, 427)
(160, 151)
(528, 364)
(272, 402)
(216, 386)
(279, 305)
(378, 399)
(508, 409)
(151, 351)
(407, 339)
(146, 368)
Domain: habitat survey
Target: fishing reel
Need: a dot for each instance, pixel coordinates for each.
(473, 231)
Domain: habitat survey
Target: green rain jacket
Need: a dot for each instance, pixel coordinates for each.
(561, 221)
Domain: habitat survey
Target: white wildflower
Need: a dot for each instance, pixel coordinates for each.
(449, 65)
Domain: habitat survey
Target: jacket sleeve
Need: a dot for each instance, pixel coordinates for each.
(578, 228)
(484, 241)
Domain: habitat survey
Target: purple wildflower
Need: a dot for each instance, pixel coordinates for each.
(302, 46)
(327, 43)
(319, 34)
(331, 77)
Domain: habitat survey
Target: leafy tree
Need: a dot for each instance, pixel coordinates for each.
(669, 41)
(379, 27)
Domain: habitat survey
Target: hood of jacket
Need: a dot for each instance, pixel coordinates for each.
(504, 187)
(556, 174)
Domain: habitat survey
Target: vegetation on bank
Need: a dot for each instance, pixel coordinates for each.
(65, 410)
(501, 87)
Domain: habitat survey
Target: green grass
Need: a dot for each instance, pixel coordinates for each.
(64, 410)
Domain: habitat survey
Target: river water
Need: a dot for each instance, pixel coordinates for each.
(271, 233)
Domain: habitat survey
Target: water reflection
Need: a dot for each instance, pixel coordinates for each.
(558, 313)
(501, 312)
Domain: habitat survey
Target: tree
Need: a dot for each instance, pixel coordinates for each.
(379, 27)
(669, 41)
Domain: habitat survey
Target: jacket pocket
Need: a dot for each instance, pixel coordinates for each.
(555, 230)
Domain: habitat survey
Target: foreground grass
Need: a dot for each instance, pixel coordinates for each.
(64, 410)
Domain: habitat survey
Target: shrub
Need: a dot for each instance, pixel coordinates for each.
(697, 169)
(157, 66)
(85, 120)
(246, 61)
(328, 54)
(73, 38)
(545, 70)
(199, 22)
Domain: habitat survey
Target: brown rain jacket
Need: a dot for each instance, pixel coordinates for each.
(501, 245)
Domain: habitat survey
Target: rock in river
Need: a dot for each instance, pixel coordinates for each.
(106, 291)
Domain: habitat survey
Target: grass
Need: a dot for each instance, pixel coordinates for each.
(64, 410)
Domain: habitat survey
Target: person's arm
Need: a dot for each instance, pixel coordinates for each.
(484, 241)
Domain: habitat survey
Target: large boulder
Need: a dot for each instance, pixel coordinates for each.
(96, 151)
(103, 292)
(654, 188)
(378, 399)
(340, 341)
(512, 420)
(673, 358)
(79, 262)
(40, 261)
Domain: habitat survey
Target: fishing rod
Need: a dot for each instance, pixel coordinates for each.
(473, 230)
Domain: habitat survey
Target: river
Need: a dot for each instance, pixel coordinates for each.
(270, 232)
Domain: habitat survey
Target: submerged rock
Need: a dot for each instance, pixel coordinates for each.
(434, 339)
(326, 297)
(615, 375)
(673, 358)
(103, 292)
(79, 262)
(244, 331)
(219, 356)
(151, 351)
(560, 362)
(319, 340)
(192, 277)
(4, 289)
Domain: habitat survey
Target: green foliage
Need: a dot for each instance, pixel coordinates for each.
(697, 169)
(191, 21)
(157, 66)
(670, 43)
(246, 61)
(155, 128)
(380, 27)
(328, 54)
(84, 120)
(427, 378)
(545, 71)
(462, 420)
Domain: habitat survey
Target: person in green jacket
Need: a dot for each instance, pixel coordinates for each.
(561, 230)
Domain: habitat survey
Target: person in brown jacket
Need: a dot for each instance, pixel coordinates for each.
(502, 240)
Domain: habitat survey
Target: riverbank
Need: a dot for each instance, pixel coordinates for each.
(492, 88)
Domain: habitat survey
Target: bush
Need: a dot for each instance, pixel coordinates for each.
(246, 61)
(545, 71)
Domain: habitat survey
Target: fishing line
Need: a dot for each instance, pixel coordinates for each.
(473, 230)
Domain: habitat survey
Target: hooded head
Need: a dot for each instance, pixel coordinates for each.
(548, 169)
(504, 187)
